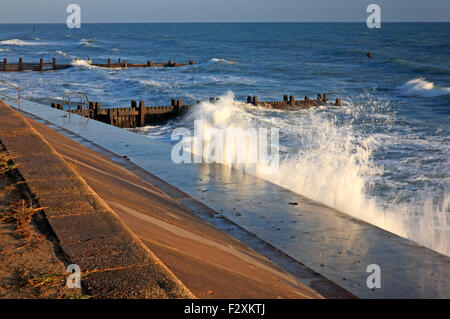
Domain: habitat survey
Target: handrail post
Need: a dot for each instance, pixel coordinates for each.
(18, 98)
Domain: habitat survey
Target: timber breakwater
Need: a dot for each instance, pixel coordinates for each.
(122, 64)
(138, 115)
(42, 66)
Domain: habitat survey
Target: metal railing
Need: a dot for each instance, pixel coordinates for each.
(10, 97)
(84, 101)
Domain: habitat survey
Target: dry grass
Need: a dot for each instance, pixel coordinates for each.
(20, 213)
(46, 281)
(6, 163)
(50, 285)
(29, 266)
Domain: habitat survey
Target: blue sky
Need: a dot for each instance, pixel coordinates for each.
(36, 11)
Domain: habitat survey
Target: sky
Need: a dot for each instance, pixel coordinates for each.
(54, 11)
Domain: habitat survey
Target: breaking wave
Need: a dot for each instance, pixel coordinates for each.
(333, 164)
(423, 88)
(20, 42)
(83, 62)
(61, 53)
(217, 60)
(87, 42)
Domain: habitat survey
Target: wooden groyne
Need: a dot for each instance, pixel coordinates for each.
(122, 64)
(138, 115)
(6, 66)
(41, 66)
(289, 102)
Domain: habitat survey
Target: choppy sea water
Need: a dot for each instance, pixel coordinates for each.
(382, 157)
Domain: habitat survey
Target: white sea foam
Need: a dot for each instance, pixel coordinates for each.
(333, 165)
(61, 53)
(20, 42)
(87, 42)
(152, 83)
(423, 88)
(158, 84)
(218, 60)
(85, 63)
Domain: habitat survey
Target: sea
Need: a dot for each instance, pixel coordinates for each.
(383, 156)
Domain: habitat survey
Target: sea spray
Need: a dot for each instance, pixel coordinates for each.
(84, 63)
(251, 149)
(333, 164)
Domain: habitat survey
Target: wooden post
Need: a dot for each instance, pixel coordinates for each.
(292, 100)
(54, 63)
(41, 64)
(125, 64)
(118, 60)
(285, 98)
(306, 98)
(180, 105)
(110, 116)
(171, 63)
(97, 109)
(141, 114)
(255, 101)
(5, 64)
(319, 97)
(149, 63)
(176, 106)
(134, 104)
(20, 64)
(109, 63)
(249, 99)
(54, 105)
(91, 106)
(338, 101)
(325, 97)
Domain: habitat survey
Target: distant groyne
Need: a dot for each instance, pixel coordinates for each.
(6, 66)
(289, 102)
(122, 64)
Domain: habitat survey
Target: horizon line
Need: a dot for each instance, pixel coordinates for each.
(205, 22)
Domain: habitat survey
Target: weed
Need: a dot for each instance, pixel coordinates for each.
(6, 163)
(20, 213)
(46, 281)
